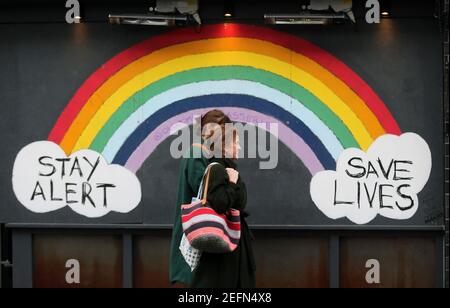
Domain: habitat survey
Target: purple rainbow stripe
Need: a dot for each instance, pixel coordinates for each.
(285, 135)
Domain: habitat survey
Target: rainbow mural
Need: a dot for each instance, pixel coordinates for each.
(321, 106)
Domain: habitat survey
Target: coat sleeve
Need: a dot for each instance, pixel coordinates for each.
(222, 194)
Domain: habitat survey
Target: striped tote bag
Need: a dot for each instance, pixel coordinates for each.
(207, 230)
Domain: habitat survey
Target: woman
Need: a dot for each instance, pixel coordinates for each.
(226, 190)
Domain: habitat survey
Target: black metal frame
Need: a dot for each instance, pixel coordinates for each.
(444, 16)
(5, 257)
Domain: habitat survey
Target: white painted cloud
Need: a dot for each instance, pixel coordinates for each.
(384, 181)
(44, 180)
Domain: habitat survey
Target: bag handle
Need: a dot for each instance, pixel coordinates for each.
(200, 188)
(204, 190)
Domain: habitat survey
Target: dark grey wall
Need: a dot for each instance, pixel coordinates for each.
(43, 64)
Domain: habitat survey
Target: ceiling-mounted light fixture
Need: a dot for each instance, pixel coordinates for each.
(385, 6)
(145, 19)
(304, 19)
(163, 13)
(228, 9)
(316, 12)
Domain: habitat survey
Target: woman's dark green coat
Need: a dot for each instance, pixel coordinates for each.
(227, 270)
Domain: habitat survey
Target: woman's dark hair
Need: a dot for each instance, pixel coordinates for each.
(215, 117)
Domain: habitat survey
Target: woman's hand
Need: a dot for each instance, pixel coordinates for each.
(233, 175)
